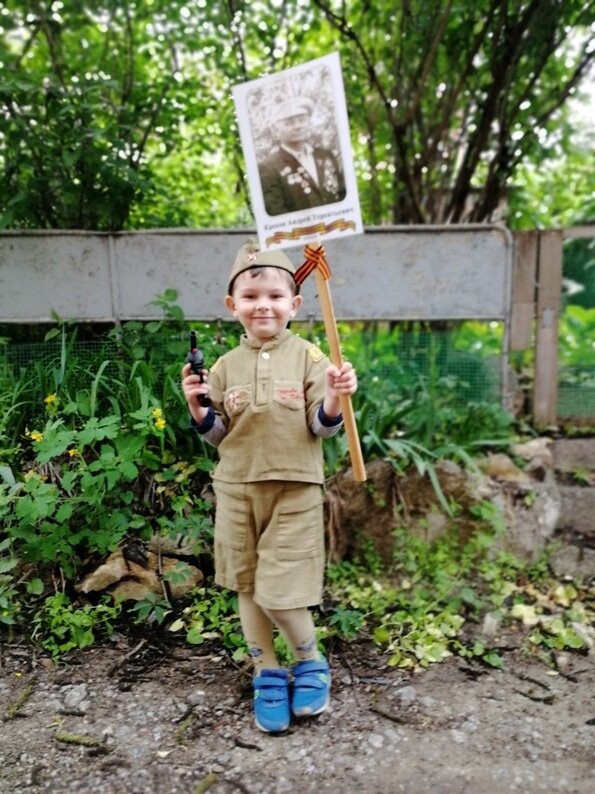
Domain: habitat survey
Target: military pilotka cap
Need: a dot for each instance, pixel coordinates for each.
(295, 106)
(250, 256)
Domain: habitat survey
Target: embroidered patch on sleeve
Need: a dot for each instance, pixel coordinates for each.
(315, 353)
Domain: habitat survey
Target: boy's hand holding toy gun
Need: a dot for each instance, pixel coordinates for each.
(197, 364)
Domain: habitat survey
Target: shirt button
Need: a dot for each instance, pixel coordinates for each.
(266, 355)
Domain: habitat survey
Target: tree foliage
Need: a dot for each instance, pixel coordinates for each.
(119, 114)
(451, 97)
(86, 87)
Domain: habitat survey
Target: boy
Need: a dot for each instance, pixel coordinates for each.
(274, 397)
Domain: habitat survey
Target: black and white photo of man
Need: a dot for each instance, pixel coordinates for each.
(298, 173)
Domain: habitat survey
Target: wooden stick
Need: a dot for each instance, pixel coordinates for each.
(330, 325)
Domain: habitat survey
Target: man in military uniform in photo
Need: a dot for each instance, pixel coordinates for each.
(297, 175)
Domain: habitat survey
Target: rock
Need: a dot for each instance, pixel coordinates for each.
(573, 561)
(75, 698)
(407, 695)
(535, 449)
(196, 698)
(531, 514)
(500, 467)
(587, 635)
(578, 510)
(491, 624)
(434, 525)
(529, 499)
(116, 567)
(130, 580)
(571, 454)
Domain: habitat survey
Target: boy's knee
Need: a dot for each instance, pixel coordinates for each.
(273, 614)
(290, 619)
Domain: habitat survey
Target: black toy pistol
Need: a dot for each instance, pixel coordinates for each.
(197, 363)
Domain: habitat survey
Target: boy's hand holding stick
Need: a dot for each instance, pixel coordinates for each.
(316, 261)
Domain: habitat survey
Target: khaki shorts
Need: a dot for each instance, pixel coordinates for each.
(269, 541)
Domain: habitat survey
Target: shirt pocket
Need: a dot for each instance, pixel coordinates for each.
(237, 399)
(231, 516)
(289, 393)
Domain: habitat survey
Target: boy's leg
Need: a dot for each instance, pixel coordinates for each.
(297, 626)
(271, 683)
(258, 633)
(311, 675)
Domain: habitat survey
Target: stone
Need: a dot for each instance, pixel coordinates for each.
(499, 466)
(196, 698)
(75, 698)
(577, 510)
(535, 449)
(571, 454)
(129, 580)
(531, 514)
(491, 624)
(407, 695)
(573, 561)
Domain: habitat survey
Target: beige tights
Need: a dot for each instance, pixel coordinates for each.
(296, 625)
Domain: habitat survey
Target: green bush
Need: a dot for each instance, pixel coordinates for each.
(95, 446)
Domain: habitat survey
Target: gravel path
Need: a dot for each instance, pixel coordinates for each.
(174, 720)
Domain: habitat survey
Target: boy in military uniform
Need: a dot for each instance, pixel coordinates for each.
(274, 398)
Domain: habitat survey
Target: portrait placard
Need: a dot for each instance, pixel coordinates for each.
(295, 138)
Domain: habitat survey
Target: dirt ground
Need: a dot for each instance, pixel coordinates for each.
(158, 719)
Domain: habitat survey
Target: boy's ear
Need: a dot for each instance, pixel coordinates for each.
(230, 304)
(297, 302)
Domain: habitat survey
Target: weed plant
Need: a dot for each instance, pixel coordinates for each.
(434, 600)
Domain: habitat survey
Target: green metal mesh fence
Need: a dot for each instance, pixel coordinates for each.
(576, 371)
(432, 361)
(78, 361)
(423, 361)
(576, 393)
(419, 361)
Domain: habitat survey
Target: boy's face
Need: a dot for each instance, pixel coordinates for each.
(263, 301)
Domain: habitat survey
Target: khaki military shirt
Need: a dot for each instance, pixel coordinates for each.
(266, 397)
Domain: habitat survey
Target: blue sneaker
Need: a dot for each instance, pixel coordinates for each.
(271, 701)
(311, 687)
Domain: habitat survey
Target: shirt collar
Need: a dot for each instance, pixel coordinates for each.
(267, 344)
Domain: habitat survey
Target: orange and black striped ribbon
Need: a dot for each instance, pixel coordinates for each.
(315, 258)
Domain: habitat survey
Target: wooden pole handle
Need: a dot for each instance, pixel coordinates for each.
(330, 325)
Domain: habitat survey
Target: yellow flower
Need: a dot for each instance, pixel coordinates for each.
(160, 423)
(51, 399)
(157, 413)
(73, 452)
(35, 435)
